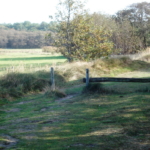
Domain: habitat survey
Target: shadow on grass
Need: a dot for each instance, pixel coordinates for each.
(32, 58)
(117, 88)
(90, 122)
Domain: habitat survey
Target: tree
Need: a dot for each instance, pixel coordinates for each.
(124, 38)
(11, 38)
(77, 37)
(139, 16)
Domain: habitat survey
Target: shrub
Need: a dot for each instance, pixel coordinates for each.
(49, 49)
(16, 84)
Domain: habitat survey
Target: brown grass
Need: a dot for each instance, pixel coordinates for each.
(49, 49)
(138, 56)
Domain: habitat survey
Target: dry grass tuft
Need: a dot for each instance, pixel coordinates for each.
(50, 49)
(141, 55)
(57, 93)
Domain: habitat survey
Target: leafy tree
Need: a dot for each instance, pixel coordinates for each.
(18, 26)
(125, 39)
(44, 26)
(138, 15)
(77, 37)
(28, 26)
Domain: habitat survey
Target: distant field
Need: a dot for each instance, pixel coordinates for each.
(20, 59)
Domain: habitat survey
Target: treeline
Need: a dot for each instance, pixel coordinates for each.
(132, 28)
(25, 35)
(28, 26)
(23, 39)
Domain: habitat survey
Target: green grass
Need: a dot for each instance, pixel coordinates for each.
(28, 61)
(34, 76)
(25, 70)
(117, 118)
(97, 122)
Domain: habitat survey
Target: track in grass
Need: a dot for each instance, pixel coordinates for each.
(79, 122)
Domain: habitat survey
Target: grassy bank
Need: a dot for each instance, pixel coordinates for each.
(18, 83)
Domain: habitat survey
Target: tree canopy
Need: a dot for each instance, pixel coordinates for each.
(77, 37)
(138, 17)
(28, 26)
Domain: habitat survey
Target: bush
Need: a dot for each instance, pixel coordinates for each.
(49, 49)
(16, 84)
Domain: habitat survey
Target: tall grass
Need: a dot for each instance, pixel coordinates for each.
(141, 55)
(17, 84)
(49, 49)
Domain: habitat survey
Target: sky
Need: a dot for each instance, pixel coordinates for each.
(37, 11)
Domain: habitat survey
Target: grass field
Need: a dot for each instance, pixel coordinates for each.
(82, 122)
(23, 60)
(117, 119)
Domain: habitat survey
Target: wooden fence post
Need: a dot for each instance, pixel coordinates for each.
(52, 79)
(87, 77)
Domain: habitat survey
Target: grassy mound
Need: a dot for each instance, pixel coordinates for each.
(16, 84)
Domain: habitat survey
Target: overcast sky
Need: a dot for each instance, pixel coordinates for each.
(37, 11)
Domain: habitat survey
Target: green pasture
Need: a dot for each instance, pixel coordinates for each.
(28, 60)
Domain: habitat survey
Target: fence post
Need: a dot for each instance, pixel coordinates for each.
(87, 77)
(52, 79)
